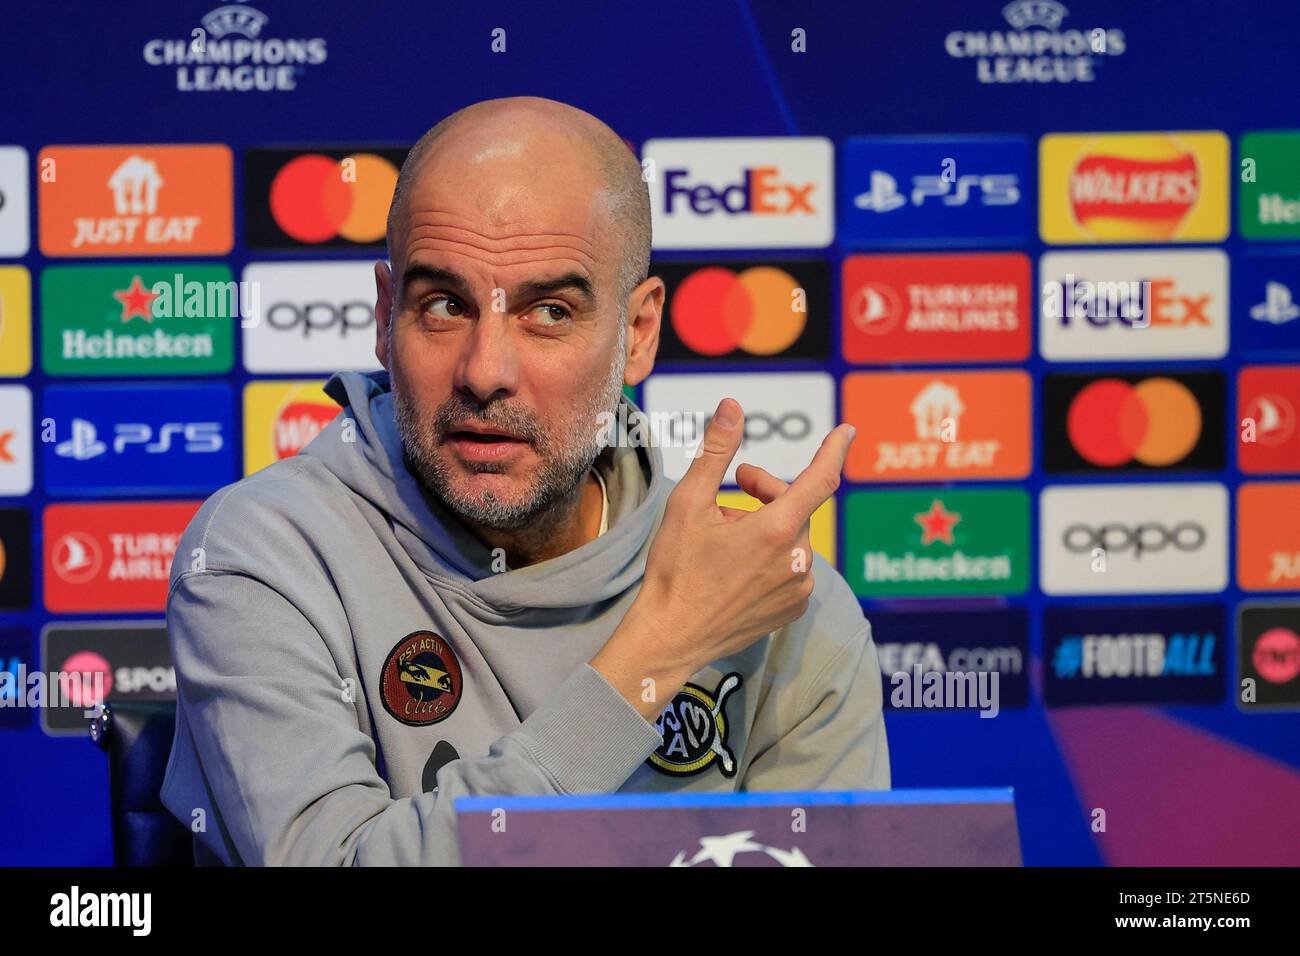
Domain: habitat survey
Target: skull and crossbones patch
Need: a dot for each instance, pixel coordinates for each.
(694, 728)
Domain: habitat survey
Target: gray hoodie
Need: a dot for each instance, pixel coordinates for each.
(349, 662)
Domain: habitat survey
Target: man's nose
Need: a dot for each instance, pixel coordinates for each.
(489, 365)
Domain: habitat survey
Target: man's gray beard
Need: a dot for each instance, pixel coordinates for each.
(556, 483)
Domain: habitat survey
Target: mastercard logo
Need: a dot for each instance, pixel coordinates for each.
(761, 311)
(1156, 421)
(315, 198)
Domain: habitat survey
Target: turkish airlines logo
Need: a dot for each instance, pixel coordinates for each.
(1268, 656)
(1267, 401)
(120, 200)
(741, 193)
(943, 308)
(745, 311)
(1134, 539)
(922, 426)
(1131, 422)
(111, 556)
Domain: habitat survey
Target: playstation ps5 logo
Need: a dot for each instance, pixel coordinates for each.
(198, 438)
(993, 190)
(1277, 306)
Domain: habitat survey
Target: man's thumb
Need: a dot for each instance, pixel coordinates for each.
(717, 448)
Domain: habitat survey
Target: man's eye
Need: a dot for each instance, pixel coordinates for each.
(552, 313)
(443, 307)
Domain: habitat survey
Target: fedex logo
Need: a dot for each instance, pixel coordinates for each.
(760, 191)
(1166, 305)
(764, 192)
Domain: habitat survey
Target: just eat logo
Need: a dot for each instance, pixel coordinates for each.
(733, 193)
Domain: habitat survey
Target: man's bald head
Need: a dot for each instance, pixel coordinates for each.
(595, 147)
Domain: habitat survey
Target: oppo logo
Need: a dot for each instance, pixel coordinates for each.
(320, 317)
(759, 426)
(1140, 538)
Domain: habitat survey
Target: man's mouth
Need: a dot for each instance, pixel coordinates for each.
(478, 443)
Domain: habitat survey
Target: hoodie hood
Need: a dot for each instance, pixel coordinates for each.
(363, 449)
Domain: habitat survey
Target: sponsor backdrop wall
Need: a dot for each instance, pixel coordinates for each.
(1045, 257)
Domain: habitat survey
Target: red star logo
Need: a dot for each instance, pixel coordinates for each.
(936, 524)
(136, 300)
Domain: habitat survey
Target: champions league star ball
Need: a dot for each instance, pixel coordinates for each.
(737, 849)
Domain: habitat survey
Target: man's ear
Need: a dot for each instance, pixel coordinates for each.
(383, 310)
(645, 308)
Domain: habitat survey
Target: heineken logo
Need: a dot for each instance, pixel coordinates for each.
(927, 543)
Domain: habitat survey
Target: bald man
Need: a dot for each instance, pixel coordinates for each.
(471, 583)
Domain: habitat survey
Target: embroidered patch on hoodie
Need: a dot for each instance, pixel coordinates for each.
(694, 728)
(421, 681)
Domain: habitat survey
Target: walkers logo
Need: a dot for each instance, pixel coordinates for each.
(917, 190)
(937, 308)
(280, 418)
(421, 682)
(1133, 422)
(15, 559)
(1268, 400)
(936, 542)
(1134, 305)
(987, 643)
(136, 200)
(14, 205)
(1134, 539)
(786, 417)
(112, 557)
(918, 426)
(1268, 536)
(1036, 49)
(1266, 303)
(137, 320)
(1268, 656)
(821, 525)
(738, 193)
(1134, 655)
(328, 198)
(694, 729)
(15, 440)
(17, 657)
(129, 440)
(313, 317)
(745, 311)
(1269, 206)
(15, 321)
(228, 52)
(121, 661)
(1133, 187)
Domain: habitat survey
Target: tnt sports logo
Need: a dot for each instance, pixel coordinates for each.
(1268, 656)
(1155, 422)
(694, 731)
(740, 193)
(120, 200)
(421, 682)
(327, 198)
(1128, 187)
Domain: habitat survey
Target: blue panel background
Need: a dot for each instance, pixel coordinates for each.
(72, 72)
